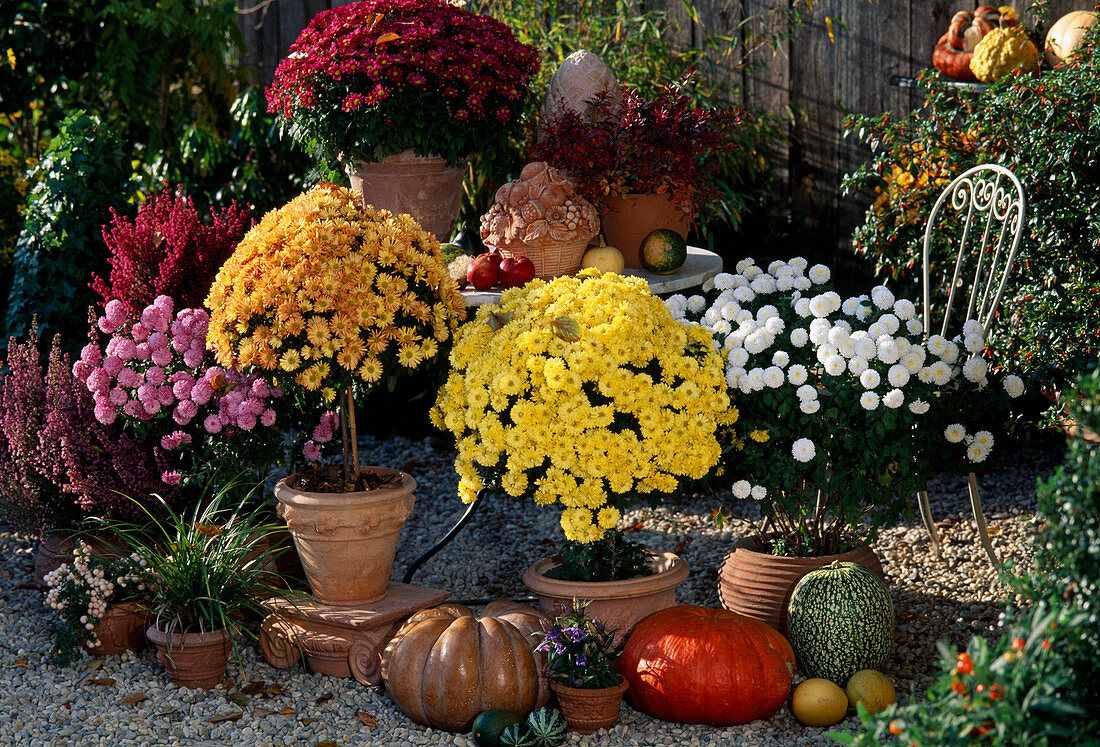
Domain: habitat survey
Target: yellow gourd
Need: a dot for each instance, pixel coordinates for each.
(604, 259)
(1000, 52)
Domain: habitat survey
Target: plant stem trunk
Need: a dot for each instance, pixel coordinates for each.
(351, 470)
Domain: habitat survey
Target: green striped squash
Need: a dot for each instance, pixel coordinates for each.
(840, 620)
(547, 727)
(517, 735)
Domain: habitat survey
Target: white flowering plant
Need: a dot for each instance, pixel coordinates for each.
(844, 408)
(81, 592)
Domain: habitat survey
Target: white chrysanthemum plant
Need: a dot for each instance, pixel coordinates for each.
(844, 409)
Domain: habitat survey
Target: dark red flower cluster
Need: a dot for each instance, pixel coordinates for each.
(663, 144)
(378, 75)
(167, 250)
(57, 463)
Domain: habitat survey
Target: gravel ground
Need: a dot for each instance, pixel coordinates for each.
(950, 597)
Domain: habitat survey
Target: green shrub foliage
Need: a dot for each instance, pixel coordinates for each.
(83, 173)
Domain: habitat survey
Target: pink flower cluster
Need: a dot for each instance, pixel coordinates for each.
(155, 367)
(323, 432)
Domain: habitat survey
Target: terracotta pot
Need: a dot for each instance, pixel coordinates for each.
(619, 604)
(56, 547)
(587, 710)
(121, 629)
(194, 660)
(347, 541)
(627, 220)
(424, 187)
(755, 583)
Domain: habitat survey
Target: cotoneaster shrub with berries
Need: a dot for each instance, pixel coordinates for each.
(166, 250)
(371, 79)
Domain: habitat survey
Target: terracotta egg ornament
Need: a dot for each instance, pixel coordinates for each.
(700, 665)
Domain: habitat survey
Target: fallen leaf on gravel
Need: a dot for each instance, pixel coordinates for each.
(308, 721)
(324, 698)
(367, 719)
(239, 699)
(21, 664)
(92, 665)
(327, 743)
(135, 698)
(27, 585)
(274, 689)
(253, 688)
(105, 681)
(635, 527)
(287, 711)
(261, 712)
(235, 716)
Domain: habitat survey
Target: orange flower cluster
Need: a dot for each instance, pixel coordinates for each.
(328, 293)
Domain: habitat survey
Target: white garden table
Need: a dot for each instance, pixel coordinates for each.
(701, 265)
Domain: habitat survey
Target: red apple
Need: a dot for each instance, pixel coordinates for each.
(495, 257)
(514, 272)
(482, 272)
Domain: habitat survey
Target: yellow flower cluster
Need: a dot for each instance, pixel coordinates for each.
(629, 406)
(327, 292)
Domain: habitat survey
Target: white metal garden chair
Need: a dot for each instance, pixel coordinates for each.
(988, 201)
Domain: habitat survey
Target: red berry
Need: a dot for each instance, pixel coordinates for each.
(897, 726)
(965, 664)
(1018, 644)
(996, 692)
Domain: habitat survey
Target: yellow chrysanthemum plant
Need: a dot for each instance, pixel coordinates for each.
(332, 298)
(582, 392)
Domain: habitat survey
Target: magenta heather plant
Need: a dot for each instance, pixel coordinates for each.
(57, 463)
(166, 249)
(155, 378)
(370, 79)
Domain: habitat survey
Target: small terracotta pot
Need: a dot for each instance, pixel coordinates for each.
(588, 710)
(424, 187)
(620, 605)
(627, 220)
(194, 660)
(121, 629)
(755, 583)
(56, 547)
(347, 541)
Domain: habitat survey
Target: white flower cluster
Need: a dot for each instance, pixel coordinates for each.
(69, 584)
(978, 445)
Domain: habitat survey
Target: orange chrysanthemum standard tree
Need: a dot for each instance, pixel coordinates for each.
(331, 297)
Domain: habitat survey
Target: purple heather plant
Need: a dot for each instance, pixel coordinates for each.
(166, 249)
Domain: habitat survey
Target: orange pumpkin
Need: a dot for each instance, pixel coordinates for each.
(955, 48)
(445, 666)
(701, 665)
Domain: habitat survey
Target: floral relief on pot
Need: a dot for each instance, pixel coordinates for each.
(588, 710)
(193, 660)
(121, 629)
(425, 187)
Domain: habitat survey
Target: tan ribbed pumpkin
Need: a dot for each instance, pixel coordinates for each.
(445, 666)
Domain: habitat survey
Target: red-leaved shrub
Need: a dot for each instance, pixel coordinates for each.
(166, 249)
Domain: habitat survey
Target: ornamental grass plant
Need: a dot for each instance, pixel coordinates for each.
(326, 299)
(583, 392)
(844, 409)
(371, 79)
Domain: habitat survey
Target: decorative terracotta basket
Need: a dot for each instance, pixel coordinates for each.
(550, 258)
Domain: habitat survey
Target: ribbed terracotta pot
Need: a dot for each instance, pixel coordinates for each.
(587, 710)
(347, 541)
(625, 221)
(757, 584)
(424, 187)
(194, 660)
(620, 605)
(56, 547)
(121, 629)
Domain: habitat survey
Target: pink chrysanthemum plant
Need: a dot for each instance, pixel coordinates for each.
(329, 298)
(370, 79)
(155, 378)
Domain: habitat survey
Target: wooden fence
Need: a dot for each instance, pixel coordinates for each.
(841, 59)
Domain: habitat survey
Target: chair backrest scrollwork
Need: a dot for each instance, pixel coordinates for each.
(989, 200)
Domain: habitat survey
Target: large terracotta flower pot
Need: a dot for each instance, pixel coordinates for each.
(194, 660)
(121, 629)
(627, 220)
(588, 710)
(424, 187)
(620, 605)
(757, 584)
(347, 541)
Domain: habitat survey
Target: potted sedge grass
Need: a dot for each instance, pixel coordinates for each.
(582, 666)
(328, 299)
(404, 92)
(205, 572)
(648, 163)
(844, 412)
(584, 392)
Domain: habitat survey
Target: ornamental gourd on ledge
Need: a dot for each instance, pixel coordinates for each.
(955, 48)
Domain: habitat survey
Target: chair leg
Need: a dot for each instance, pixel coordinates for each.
(930, 525)
(979, 519)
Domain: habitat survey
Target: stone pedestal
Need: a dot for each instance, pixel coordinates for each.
(336, 640)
